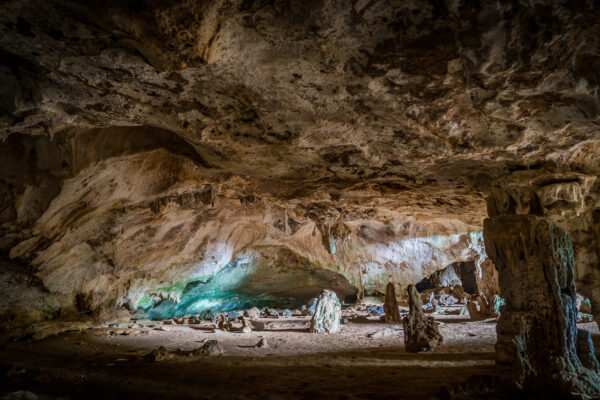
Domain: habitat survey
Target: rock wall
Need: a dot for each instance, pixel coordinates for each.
(147, 144)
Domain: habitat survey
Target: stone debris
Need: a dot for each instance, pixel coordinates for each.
(223, 324)
(376, 311)
(328, 311)
(392, 312)
(537, 329)
(258, 325)
(261, 343)
(210, 348)
(246, 325)
(158, 354)
(421, 332)
(583, 318)
(309, 308)
(384, 333)
(253, 313)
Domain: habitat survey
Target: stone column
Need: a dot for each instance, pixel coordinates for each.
(327, 314)
(420, 331)
(537, 334)
(390, 307)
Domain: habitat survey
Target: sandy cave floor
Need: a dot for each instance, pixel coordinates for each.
(110, 363)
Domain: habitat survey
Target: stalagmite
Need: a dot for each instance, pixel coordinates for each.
(539, 349)
(327, 314)
(392, 313)
(420, 332)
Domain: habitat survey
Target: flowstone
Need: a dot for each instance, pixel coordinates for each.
(390, 307)
(420, 332)
(327, 314)
(539, 348)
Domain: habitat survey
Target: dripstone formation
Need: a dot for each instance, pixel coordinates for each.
(420, 332)
(327, 314)
(539, 348)
(390, 307)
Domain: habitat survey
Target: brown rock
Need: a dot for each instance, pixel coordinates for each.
(420, 332)
(390, 307)
(537, 332)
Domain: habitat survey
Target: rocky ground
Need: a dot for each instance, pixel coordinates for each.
(354, 364)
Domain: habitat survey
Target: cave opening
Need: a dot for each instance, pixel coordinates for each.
(261, 278)
(461, 273)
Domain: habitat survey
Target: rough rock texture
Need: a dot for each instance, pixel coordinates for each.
(537, 348)
(421, 332)
(148, 145)
(571, 201)
(327, 314)
(390, 306)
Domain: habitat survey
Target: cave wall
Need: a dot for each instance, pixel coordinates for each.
(144, 144)
(134, 224)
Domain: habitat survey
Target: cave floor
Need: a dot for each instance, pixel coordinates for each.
(110, 362)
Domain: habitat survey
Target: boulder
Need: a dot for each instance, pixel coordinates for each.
(420, 331)
(158, 354)
(328, 312)
(210, 348)
(246, 325)
(539, 349)
(390, 307)
(253, 313)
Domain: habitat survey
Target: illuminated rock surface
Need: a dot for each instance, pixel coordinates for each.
(327, 314)
(168, 159)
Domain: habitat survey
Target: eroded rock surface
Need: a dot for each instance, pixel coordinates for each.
(421, 332)
(539, 348)
(327, 314)
(390, 307)
(147, 146)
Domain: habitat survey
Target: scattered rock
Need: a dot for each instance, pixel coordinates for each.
(383, 333)
(420, 331)
(583, 317)
(223, 324)
(261, 343)
(390, 307)
(376, 311)
(253, 313)
(309, 308)
(447, 300)
(258, 325)
(233, 314)
(158, 354)
(210, 348)
(328, 311)
(246, 325)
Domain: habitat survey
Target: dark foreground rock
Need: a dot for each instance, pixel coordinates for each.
(420, 332)
(539, 349)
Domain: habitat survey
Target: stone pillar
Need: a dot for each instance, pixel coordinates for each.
(420, 332)
(537, 333)
(327, 314)
(390, 307)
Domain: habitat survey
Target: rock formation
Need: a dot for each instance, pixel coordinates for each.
(327, 315)
(145, 146)
(420, 332)
(539, 349)
(390, 307)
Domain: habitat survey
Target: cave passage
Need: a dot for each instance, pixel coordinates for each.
(245, 283)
